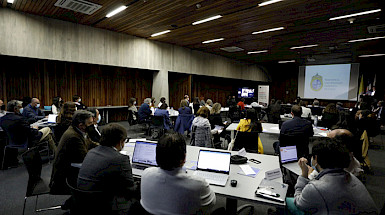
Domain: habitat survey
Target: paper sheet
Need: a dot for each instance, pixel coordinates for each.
(242, 152)
(247, 169)
(256, 170)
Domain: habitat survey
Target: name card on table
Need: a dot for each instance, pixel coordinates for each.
(273, 174)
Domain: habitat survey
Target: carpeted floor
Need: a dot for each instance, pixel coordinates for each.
(13, 182)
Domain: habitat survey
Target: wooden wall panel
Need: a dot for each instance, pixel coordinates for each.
(179, 85)
(97, 85)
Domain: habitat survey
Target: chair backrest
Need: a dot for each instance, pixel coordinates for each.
(130, 117)
(157, 121)
(247, 140)
(301, 142)
(201, 136)
(33, 163)
(183, 122)
(89, 202)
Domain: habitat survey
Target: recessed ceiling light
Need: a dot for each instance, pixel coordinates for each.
(10, 1)
(359, 40)
(301, 47)
(160, 33)
(286, 61)
(116, 11)
(372, 55)
(355, 14)
(257, 52)
(268, 30)
(268, 2)
(212, 41)
(206, 20)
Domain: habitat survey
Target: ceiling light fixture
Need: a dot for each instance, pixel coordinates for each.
(268, 2)
(116, 11)
(10, 1)
(301, 47)
(359, 40)
(355, 14)
(257, 52)
(206, 20)
(160, 33)
(372, 55)
(212, 41)
(286, 61)
(268, 30)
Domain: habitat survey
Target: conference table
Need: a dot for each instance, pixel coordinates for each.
(245, 189)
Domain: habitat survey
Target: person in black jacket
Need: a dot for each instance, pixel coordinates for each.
(78, 101)
(93, 130)
(32, 111)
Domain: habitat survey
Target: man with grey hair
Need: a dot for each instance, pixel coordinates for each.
(18, 130)
(144, 111)
(73, 147)
(32, 111)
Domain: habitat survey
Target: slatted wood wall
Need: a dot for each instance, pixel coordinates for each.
(179, 86)
(97, 85)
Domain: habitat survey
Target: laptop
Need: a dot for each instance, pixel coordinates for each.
(144, 154)
(214, 166)
(52, 118)
(288, 159)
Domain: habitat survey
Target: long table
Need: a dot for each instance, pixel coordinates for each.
(246, 185)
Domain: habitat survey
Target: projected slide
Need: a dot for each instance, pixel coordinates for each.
(327, 81)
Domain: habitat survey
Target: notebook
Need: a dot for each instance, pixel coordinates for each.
(144, 154)
(272, 190)
(214, 166)
(52, 118)
(288, 159)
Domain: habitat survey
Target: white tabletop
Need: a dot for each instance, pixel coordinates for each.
(110, 107)
(246, 185)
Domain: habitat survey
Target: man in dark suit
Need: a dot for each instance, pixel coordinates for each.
(32, 111)
(105, 169)
(297, 132)
(72, 148)
(144, 111)
(78, 102)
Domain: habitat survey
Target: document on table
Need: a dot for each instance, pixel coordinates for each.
(248, 170)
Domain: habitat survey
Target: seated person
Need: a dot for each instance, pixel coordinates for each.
(132, 116)
(162, 111)
(168, 189)
(32, 111)
(215, 119)
(93, 130)
(64, 119)
(72, 148)
(250, 123)
(241, 104)
(196, 105)
(78, 102)
(19, 131)
(330, 116)
(57, 104)
(209, 103)
(144, 111)
(333, 191)
(2, 108)
(162, 101)
(201, 129)
(105, 169)
(184, 108)
(296, 129)
(306, 112)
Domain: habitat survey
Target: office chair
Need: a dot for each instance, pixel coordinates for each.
(36, 185)
(156, 129)
(247, 140)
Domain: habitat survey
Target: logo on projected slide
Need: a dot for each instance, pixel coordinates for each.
(316, 83)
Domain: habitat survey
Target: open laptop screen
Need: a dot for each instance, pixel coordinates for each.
(214, 161)
(288, 154)
(145, 153)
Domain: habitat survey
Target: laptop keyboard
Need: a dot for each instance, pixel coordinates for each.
(211, 177)
(141, 167)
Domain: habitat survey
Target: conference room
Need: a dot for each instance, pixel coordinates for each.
(254, 51)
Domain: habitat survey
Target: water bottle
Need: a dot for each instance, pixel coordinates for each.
(315, 120)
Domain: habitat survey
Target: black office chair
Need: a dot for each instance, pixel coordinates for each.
(130, 117)
(36, 185)
(156, 129)
(301, 142)
(89, 202)
(247, 140)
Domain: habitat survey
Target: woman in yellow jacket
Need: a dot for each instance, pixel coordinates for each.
(251, 124)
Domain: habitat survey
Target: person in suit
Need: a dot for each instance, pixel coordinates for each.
(380, 111)
(297, 129)
(93, 130)
(19, 131)
(72, 148)
(105, 169)
(162, 111)
(168, 189)
(144, 111)
(78, 101)
(32, 111)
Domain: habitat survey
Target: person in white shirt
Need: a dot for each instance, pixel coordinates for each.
(306, 112)
(168, 189)
(57, 104)
(162, 100)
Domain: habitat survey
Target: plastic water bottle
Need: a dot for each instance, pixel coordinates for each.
(315, 120)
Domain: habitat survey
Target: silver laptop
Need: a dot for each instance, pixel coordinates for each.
(289, 160)
(214, 166)
(52, 118)
(144, 154)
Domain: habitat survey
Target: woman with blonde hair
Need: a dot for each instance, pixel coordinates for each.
(184, 108)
